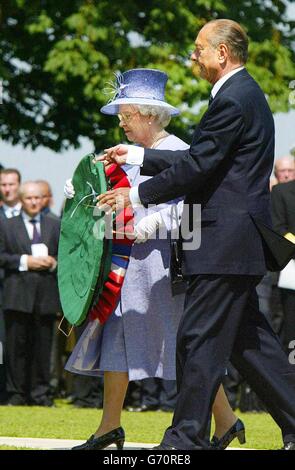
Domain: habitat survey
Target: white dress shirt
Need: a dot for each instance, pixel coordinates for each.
(222, 80)
(12, 211)
(136, 154)
(23, 264)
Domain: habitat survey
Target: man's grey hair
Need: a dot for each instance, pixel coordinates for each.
(233, 35)
(162, 114)
(287, 158)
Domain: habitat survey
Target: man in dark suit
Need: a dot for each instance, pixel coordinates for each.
(28, 251)
(283, 214)
(10, 180)
(225, 171)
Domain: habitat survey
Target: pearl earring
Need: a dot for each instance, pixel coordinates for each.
(150, 123)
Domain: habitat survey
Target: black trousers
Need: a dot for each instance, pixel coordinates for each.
(222, 322)
(28, 349)
(159, 393)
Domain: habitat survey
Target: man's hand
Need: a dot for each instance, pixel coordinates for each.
(41, 263)
(117, 154)
(113, 200)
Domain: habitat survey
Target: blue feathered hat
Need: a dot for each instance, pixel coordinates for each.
(139, 86)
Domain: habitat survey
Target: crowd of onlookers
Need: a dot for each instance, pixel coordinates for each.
(32, 349)
(29, 235)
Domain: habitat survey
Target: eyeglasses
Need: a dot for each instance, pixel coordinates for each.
(126, 117)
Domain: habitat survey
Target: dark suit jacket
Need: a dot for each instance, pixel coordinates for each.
(226, 170)
(28, 290)
(283, 207)
(47, 211)
(2, 216)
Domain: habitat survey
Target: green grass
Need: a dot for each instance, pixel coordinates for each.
(67, 422)
(14, 448)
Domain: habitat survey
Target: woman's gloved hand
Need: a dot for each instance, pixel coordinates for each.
(147, 226)
(69, 191)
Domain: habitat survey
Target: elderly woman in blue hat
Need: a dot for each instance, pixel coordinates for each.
(138, 341)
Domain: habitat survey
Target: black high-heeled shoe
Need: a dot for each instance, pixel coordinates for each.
(237, 430)
(116, 436)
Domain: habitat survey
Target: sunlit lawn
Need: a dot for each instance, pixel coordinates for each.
(67, 422)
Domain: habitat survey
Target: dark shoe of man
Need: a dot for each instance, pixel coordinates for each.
(16, 400)
(133, 408)
(167, 409)
(43, 402)
(149, 408)
(85, 404)
(142, 408)
(289, 446)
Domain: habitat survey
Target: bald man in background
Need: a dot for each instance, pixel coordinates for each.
(284, 169)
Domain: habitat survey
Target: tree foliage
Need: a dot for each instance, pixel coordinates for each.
(57, 57)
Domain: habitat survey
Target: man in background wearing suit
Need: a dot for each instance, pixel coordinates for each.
(283, 214)
(28, 251)
(226, 171)
(10, 179)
